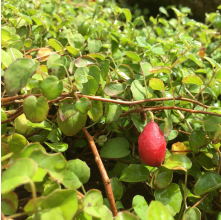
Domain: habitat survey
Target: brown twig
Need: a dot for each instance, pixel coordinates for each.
(184, 132)
(12, 118)
(98, 98)
(33, 133)
(180, 151)
(200, 200)
(80, 194)
(169, 108)
(105, 178)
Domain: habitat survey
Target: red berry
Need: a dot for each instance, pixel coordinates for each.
(152, 145)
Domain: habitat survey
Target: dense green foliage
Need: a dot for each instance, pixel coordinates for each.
(68, 66)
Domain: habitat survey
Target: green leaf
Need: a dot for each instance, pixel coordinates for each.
(96, 111)
(97, 56)
(83, 105)
(84, 61)
(55, 164)
(161, 178)
(173, 134)
(185, 37)
(76, 174)
(139, 92)
(5, 34)
(140, 125)
(58, 67)
(211, 123)
(26, 152)
(104, 67)
(171, 197)
(125, 71)
(204, 161)
(127, 14)
(44, 125)
(192, 80)
(157, 50)
(69, 120)
(117, 188)
(156, 84)
(73, 51)
(114, 88)
(58, 147)
(17, 74)
(67, 109)
(94, 45)
(196, 140)
(163, 10)
(168, 127)
(55, 44)
(211, 61)
(58, 203)
(140, 206)
(5, 154)
(157, 211)
(135, 173)
(178, 162)
(115, 148)
(112, 112)
(93, 200)
(26, 17)
(64, 23)
(160, 69)
(36, 109)
(21, 124)
(133, 56)
(3, 118)
(125, 215)
(11, 178)
(91, 86)
(76, 40)
(192, 214)
(142, 42)
(15, 143)
(9, 203)
(207, 182)
(51, 88)
(6, 59)
(196, 59)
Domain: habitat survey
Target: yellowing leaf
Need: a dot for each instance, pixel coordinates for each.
(179, 146)
(43, 52)
(192, 80)
(156, 84)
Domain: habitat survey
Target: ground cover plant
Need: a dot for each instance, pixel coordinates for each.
(80, 81)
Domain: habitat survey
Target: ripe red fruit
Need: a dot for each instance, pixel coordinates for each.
(152, 145)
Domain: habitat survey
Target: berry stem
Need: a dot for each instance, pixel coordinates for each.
(151, 116)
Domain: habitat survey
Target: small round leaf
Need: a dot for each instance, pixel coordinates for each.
(51, 88)
(36, 109)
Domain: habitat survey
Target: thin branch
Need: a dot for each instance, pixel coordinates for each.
(200, 200)
(12, 118)
(214, 73)
(98, 98)
(105, 178)
(215, 49)
(169, 108)
(33, 133)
